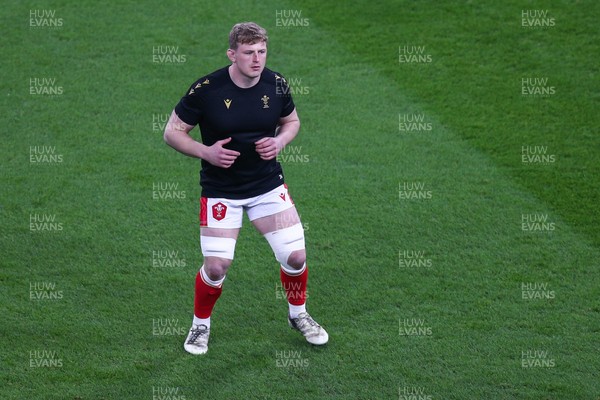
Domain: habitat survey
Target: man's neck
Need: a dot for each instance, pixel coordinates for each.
(241, 80)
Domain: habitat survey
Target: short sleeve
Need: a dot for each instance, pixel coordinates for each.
(287, 103)
(189, 108)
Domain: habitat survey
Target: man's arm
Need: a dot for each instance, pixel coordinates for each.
(177, 136)
(269, 147)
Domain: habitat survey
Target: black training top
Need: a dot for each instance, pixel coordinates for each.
(222, 109)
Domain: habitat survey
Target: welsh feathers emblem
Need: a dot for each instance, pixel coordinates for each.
(219, 210)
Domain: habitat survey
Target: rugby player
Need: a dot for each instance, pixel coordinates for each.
(246, 117)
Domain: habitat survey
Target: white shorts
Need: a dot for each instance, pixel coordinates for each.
(228, 213)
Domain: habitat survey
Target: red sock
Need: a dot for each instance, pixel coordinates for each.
(205, 298)
(295, 286)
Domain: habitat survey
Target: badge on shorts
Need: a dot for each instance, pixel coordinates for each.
(219, 210)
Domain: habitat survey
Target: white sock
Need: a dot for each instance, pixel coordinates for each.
(210, 281)
(293, 272)
(295, 310)
(201, 321)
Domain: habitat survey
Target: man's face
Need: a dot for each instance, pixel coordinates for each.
(250, 59)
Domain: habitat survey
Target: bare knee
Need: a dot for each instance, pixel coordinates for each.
(297, 259)
(216, 267)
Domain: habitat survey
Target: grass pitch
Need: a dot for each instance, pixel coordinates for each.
(446, 174)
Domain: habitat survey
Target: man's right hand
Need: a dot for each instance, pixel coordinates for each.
(219, 156)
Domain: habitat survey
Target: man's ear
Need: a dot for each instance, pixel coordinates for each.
(231, 55)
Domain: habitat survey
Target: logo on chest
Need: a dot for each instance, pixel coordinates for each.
(227, 103)
(265, 100)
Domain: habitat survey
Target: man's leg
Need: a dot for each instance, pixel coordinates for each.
(218, 246)
(220, 222)
(285, 235)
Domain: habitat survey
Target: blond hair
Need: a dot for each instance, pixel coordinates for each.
(246, 33)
